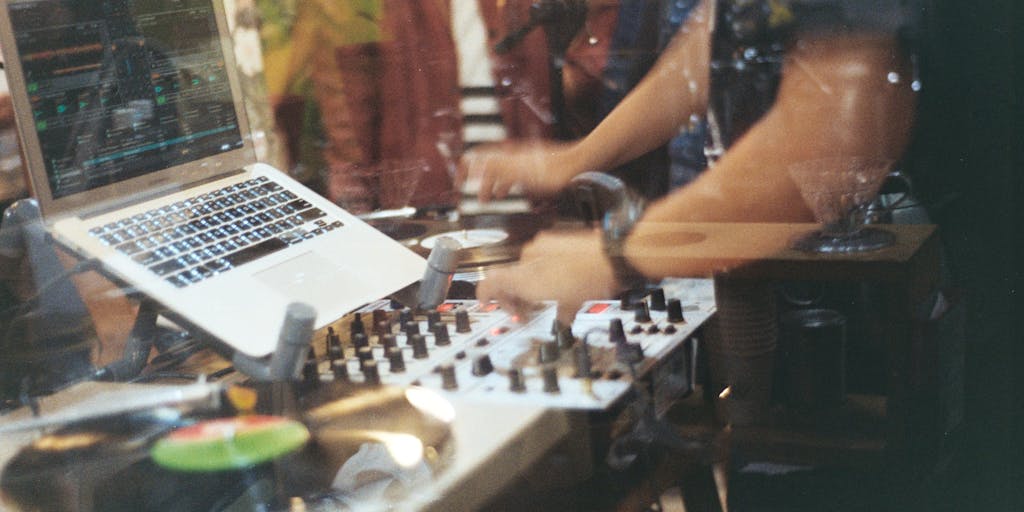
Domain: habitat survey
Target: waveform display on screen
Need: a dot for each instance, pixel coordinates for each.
(122, 88)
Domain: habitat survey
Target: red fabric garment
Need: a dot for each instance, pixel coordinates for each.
(399, 98)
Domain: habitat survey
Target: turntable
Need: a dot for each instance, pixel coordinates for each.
(486, 240)
(339, 447)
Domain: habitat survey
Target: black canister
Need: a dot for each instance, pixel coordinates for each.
(814, 357)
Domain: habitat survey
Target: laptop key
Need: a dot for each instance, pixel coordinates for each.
(254, 251)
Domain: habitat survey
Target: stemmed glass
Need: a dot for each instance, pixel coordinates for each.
(839, 190)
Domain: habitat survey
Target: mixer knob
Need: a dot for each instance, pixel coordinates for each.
(675, 311)
(334, 350)
(462, 324)
(405, 315)
(382, 328)
(419, 346)
(670, 329)
(380, 315)
(548, 352)
(389, 341)
(515, 381)
(357, 324)
(340, 370)
(616, 334)
(482, 365)
(448, 380)
(310, 371)
(396, 359)
(583, 363)
(359, 340)
(550, 374)
(636, 329)
(629, 353)
(642, 314)
(371, 373)
(441, 337)
(411, 327)
(433, 318)
(364, 354)
(562, 334)
(653, 329)
(658, 299)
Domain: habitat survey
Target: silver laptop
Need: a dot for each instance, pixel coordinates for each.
(139, 152)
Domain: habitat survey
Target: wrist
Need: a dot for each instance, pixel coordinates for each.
(625, 275)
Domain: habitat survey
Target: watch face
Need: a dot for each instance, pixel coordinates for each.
(469, 238)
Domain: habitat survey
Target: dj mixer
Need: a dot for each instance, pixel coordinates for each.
(481, 351)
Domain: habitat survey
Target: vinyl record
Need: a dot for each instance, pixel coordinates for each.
(338, 446)
(487, 239)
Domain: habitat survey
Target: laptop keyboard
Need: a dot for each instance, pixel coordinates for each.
(212, 233)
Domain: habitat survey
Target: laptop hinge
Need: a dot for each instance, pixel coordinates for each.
(152, 194)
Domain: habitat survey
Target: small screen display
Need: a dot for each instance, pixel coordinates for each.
(122, 88)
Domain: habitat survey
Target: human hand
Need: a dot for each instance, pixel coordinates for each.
(568, 267)
(539, 168)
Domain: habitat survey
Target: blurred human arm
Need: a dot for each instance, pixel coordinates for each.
(674, 90)
(847, 95)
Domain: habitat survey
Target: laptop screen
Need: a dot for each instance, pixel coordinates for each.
(123, 88)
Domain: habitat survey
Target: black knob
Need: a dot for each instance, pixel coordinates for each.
(548, 352)
(462, 324)
(371, 374)
(653, 329)
(482, 365)
(641, 313)
(340, 370)
(357, 324)
(675, 311)
(550, 374)
(433, 318)
(359, 340)
(396, 360)
(636, 329)
(441, 337)
(658, 299)
(448, 380)
(616, 334)
(583, 363)
(629, 353)
(382, 328)
(515, 381)
(411, 327)
(364, 354)
(389, 341)
(670, 329)
(380, 315)
(404, 316)
(419, 346)
(310, 372)
(334, 350)
(563, 334)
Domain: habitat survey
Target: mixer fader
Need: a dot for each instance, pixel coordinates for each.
(481, 351)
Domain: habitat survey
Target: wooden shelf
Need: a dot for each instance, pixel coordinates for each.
(850, 435)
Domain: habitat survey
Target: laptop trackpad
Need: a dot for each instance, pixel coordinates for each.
(311, 278)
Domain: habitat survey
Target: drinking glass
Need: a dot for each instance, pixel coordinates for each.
(838, 191)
